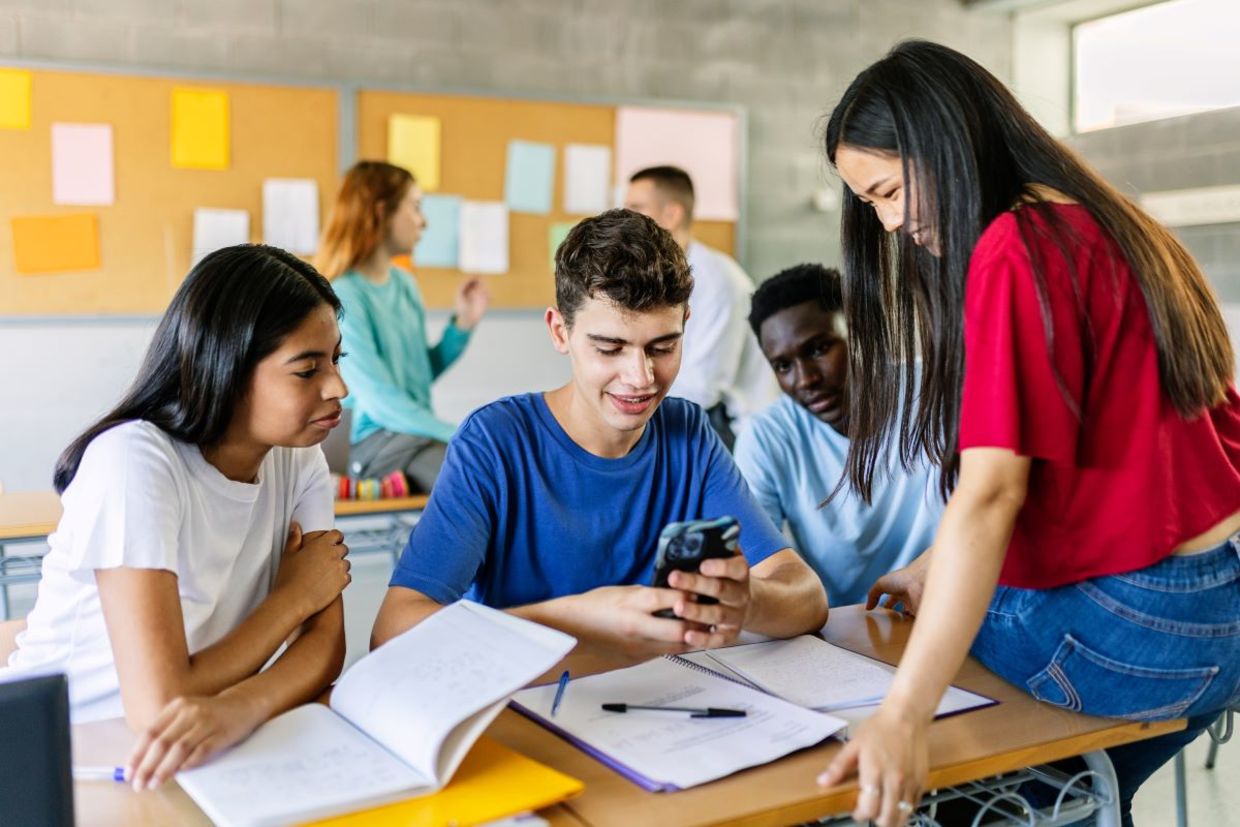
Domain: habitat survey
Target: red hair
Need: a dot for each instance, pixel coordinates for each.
(356, 228)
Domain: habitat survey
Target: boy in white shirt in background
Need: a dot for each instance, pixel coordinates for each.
(722, 369)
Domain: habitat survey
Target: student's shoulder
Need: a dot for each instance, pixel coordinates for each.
(507, 418)
(680, 416)
(136, 448)
(777, 430)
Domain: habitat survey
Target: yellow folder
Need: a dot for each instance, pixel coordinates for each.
(492, 782)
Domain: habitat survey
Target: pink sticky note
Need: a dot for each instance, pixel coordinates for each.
(703, 144)
(82, 167)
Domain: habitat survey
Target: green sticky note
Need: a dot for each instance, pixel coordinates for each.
(555, 237)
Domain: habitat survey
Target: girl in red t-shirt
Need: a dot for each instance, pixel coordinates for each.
(1077, 393)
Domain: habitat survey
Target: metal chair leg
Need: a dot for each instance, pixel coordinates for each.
(1181, 791)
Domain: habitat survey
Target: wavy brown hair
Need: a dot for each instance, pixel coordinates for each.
(356, 227)
(977, 153)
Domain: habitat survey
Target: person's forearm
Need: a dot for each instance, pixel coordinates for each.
(301, 674)
(968, 553)
(243, 651)
(783, 604)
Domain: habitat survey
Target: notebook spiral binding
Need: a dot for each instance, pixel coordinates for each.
(697, 667)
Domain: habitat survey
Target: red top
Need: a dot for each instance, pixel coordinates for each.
(1116, 488)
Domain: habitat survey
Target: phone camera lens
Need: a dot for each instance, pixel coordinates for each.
(693, 542)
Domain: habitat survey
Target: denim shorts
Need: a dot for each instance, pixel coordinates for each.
(1161, 642)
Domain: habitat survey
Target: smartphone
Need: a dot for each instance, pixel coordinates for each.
(683, 547)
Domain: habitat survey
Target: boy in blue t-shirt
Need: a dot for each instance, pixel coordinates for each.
(794, 453)
(549, 505)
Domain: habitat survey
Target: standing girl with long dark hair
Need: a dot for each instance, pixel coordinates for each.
(378, 215)
(1076, 391)
(197, 532)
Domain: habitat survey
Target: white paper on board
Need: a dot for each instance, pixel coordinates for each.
(484, 237)
(291, 214)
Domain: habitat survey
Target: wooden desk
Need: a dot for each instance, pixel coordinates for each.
(108, 804)
(28, 515)
(31, 515)
(1018, 732)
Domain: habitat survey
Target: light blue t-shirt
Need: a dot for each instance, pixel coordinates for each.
(390, 366)
(793, 460)
(521, 513)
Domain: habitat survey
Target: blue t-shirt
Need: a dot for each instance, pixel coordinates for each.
(793, 460)
(521, 513)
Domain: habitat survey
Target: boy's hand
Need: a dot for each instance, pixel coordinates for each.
(620, 620)
(714, 624)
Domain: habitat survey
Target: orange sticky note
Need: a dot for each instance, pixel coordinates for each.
(200, 137)
(14, 99)
(56, 243)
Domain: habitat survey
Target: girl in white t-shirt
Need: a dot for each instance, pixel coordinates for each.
(197, 531)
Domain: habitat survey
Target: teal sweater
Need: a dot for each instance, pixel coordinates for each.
(390, 367)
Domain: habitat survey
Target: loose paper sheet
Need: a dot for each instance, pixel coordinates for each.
(14, 99)
(529, 179)
(440, 242)
(704, 144)
(291, 214)
(215, 229)
(55, 243)
(413, 143)
(82, 168)
(200, 136)
(555, 237)
(484, 237)
(587, 179)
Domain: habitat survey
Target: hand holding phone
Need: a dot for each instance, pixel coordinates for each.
(683, 546)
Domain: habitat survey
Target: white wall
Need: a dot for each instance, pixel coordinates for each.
(56, 377)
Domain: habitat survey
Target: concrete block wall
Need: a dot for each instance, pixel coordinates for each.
(1200, 150)
(785, 60)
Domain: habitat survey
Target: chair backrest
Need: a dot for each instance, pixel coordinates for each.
(336, 446)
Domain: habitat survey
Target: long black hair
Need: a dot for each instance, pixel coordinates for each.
(234, 308)
(974, 153)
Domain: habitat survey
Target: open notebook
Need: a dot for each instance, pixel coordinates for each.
(668, 751)
(812, 673)
(401, 721)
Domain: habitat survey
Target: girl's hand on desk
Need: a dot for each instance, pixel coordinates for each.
(726, 580)
(314, 568)
(187, 733)
(891, 757)
(902, 586)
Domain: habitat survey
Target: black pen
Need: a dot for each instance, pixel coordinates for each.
(694, 712)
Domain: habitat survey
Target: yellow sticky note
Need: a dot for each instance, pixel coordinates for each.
(55, 243)
(200, 138)
(413, 143)
(14, 99)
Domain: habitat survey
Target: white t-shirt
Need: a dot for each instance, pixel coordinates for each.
(142, 499)
(722, 361)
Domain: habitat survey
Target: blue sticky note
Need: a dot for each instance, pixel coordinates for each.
(530, 178)
(441, 238)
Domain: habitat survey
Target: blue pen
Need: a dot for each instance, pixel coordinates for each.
(98, 773)
(559, 693)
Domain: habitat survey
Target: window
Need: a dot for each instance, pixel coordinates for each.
(1171, 58)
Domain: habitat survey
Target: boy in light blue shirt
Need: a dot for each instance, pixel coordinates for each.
(793, 454)
(550, 505)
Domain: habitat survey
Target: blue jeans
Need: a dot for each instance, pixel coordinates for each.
(1159, 643)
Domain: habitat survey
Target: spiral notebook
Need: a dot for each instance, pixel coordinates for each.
(810, 672)
(669, 751)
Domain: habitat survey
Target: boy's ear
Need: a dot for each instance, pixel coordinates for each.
(558, 328)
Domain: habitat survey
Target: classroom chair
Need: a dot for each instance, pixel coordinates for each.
(1220, 732)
